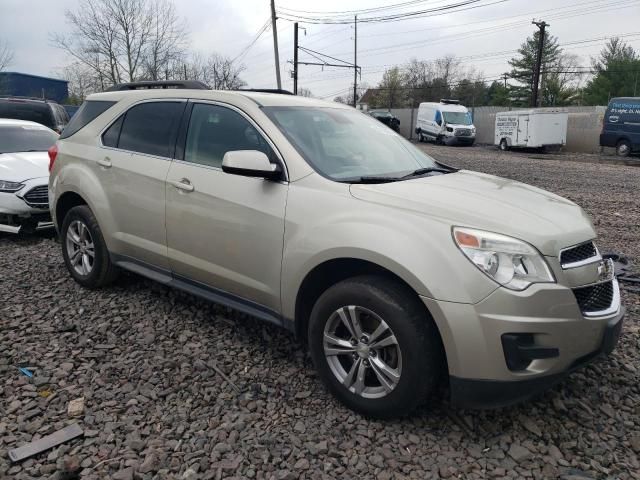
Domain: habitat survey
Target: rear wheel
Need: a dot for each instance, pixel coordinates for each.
(623, 148)
(504, 146)
(84, 249)
(374, 346)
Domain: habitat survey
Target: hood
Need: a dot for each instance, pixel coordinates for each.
(459, 125)
(476, 200)
(18, 167)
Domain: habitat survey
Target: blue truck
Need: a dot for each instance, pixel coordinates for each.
(621, 125)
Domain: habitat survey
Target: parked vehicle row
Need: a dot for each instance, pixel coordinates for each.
(45, 112)
(394, 268)
(24, 175)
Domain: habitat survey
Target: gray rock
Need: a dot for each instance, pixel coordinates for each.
(519, 453)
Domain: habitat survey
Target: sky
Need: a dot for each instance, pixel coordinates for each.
(483, 36)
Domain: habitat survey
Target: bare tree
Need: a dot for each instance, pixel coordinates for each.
(82, 81)
(167, 42)
(225, 74)
(123, 40)
(6, 55)
(305, 92)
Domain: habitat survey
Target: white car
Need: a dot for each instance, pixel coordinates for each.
(24, 175)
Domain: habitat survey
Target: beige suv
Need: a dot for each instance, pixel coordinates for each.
(397, 271)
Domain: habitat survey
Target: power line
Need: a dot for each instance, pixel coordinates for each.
(442, 10)
(357, 12)
(263, 29)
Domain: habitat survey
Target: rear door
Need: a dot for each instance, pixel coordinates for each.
(134, 166)
(523, 130)
(225, 231)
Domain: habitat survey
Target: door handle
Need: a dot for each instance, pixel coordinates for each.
(105, 162)
(184, 185)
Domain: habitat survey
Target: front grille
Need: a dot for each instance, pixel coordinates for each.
(578, 253)
(594, 298)
(463, 132)
(37, 197)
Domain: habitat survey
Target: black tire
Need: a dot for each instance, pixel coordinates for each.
(623, 148)
(103, 271)
(416, 334)
(504, 146)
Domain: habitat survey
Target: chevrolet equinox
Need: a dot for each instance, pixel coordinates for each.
(397, 271)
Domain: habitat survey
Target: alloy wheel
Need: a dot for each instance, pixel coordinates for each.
(80, 248)
(362, 352)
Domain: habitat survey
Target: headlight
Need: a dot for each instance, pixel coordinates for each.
(510, 262)
(10, 187)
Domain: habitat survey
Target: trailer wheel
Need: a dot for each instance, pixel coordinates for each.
(504, 146)
(623, 148)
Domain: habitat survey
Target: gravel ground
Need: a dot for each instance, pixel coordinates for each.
(177, 388)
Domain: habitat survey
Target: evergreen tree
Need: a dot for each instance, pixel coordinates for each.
(523, 66)
(617, 74)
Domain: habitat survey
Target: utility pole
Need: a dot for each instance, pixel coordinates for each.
(355, 60)
(505, 76)
(295, 58)
(536, 73)
(275, 43)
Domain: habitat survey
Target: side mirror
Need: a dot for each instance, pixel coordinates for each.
(250, 163)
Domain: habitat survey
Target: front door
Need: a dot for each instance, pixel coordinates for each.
(225, 231)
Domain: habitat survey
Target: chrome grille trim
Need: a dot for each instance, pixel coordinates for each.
(37, 197)
(574, 252)
(614, 305)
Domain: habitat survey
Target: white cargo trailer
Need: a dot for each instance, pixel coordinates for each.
(533, 128)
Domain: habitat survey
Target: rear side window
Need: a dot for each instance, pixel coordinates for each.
(24, 110)
(88, 112)
(151, 128)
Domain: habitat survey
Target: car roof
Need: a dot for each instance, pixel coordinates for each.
(260, 98)
(17, 123)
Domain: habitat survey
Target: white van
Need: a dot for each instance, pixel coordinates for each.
(532, 128)
(445, 122)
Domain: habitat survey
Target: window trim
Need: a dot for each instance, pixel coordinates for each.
(184, 130)
(124, 113)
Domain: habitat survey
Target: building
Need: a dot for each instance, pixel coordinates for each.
(26, 85)
(365, 100)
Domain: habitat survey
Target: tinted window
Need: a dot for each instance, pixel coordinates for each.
(25, 110)
(151, 128)
(25, 138)
(85, 114)
(111, 136)
(63, 116)
(214, 131)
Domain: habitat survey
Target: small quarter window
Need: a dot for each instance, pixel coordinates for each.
(89, 111)
(111, 136)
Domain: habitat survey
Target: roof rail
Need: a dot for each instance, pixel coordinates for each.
(265, 90)
(163, 84)
(21, 97)
(450, 101)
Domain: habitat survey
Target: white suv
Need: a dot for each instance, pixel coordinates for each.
(396, 269)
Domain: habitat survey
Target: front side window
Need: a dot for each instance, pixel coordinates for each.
(345, 145)
(151, 128)
(215, 130)
(26, 138)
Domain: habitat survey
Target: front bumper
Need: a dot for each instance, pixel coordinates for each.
(458, 140)
(548, 313)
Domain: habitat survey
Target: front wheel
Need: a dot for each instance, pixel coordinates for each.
(84, 249)
(375, 346)
(623, 149)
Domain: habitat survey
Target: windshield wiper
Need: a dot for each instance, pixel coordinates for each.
(375, 179)
(424, 171)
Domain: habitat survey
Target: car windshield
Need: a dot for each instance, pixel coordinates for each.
(457, 118)
(382, 114)
(346, 145)
(26, 138)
